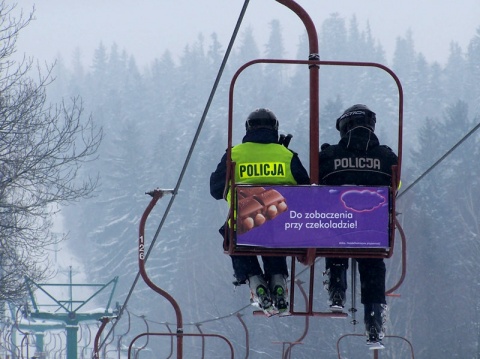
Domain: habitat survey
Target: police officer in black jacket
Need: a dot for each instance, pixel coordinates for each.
(358, 159)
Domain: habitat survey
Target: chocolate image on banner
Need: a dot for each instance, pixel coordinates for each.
(256, 206)
(245, 192)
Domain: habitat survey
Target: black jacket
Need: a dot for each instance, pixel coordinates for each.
(358, 159)
(262, 135)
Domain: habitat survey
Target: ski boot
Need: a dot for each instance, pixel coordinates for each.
(336, 285)
(260, 296)
(375, 317)
(278, 289)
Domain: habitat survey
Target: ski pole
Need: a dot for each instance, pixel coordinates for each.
(353, 275)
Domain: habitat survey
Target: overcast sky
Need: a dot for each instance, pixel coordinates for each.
(146, 28)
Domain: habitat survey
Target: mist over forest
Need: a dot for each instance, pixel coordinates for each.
(150, 116)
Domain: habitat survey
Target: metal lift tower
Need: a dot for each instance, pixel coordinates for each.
(68, 311)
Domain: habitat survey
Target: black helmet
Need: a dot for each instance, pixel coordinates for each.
(355, 116)
(261, 118)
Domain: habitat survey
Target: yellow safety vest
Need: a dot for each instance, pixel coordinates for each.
(262, 164)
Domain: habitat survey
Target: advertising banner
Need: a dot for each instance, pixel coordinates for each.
(313, 216)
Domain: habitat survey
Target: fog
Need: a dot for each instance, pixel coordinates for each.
(147, 28)
(188, 261)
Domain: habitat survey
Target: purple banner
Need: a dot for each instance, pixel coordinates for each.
(313, 216)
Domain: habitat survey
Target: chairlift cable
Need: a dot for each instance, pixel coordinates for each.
(440, 160)
(187, 160)
(200, 125)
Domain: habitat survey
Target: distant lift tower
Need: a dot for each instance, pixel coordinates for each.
(67, 311)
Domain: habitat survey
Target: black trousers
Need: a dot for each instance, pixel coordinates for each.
(247, 266)
(372, 277)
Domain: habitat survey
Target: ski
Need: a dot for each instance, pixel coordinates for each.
(375, 345)
(285, 313)
(268, 311)
(336, 308)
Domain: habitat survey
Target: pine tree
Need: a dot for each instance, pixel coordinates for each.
(248, 87)
(473, 63)
(456, 73)
(275, 75)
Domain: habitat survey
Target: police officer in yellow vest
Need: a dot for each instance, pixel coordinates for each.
(261, 159)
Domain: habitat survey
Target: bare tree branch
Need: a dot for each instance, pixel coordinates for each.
(42, 149)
